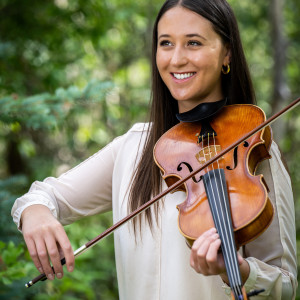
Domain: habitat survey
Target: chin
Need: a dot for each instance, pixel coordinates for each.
(182, 98)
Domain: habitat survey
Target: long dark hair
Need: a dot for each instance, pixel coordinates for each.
(236, 86)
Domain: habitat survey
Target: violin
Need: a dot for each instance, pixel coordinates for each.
(226, 194)
(213, 156)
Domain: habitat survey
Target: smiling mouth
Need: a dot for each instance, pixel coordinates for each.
(183, 75)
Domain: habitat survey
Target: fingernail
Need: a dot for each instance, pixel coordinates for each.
(71, 269)
(41, 270)
(50, 276)
(59, 275)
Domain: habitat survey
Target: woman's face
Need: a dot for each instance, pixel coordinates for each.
(190, 55)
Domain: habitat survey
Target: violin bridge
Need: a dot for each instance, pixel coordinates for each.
(207, 153)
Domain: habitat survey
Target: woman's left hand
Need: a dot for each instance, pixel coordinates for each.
(206, 258)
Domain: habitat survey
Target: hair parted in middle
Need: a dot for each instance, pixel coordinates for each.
(236, 87)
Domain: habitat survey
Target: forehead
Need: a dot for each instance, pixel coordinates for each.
(182, 21)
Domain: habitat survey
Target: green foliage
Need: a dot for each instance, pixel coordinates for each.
(46, 111)
(94, 276)
(10, 189)
(13, 264)
(73, 75)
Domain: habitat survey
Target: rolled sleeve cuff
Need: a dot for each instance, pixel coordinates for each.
(24, 202)
(250, 282)
(252, 278)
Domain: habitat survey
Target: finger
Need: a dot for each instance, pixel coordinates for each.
(65, 246)
(214, 259)
(204, 236)
(199, 255)
(54, 255)
(203, 251)
(33, 254)
(240, 258)
(43, 257)
(202, 243)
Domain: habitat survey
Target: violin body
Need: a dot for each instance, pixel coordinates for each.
(182, 149)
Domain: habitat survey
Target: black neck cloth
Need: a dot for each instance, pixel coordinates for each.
(201, 111)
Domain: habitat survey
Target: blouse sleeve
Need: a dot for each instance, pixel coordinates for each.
(272, 256)
(83, 191)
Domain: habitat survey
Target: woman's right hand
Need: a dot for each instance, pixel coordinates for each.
(46, 238)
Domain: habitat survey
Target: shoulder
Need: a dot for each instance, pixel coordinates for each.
(140, 127)
(137, 131)
(136, 135)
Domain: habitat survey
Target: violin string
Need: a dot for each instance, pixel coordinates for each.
(228, 218)
(233, 260)
(228, 241)
(225, 236)
(218, 225)
(229, 224)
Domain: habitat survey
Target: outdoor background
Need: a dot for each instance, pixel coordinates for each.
(75, 74)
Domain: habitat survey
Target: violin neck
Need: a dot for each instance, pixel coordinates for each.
(244, 295)
(217, 195)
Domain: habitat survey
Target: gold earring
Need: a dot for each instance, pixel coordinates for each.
(227, 70)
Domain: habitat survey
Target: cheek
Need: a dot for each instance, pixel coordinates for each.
(208, 60)
(161, 61)
(211, 69)
(158, 64)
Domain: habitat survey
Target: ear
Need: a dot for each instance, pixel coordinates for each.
(227, 58)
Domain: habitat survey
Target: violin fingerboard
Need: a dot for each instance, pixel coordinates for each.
(217, 195)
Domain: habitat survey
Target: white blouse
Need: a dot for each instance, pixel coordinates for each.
(156, 265)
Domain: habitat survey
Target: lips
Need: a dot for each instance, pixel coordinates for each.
(183, 75)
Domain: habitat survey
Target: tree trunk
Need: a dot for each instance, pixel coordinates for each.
(281, 92)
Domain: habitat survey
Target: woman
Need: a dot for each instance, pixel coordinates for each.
(197, 58)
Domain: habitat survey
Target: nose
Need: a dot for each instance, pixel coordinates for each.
(179, 57)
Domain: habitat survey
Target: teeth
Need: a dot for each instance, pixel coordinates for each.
(183, 76)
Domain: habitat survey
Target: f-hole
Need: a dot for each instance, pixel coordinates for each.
(235, 156)
(179, 168)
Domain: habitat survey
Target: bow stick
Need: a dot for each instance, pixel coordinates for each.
(139, 210)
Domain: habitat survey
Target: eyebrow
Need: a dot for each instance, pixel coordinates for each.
(190, 35)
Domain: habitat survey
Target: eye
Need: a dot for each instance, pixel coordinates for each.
(194, 43)
(165, 43)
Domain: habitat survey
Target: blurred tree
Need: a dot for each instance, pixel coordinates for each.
(73, 75)
(57, 106)
(281, 93)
